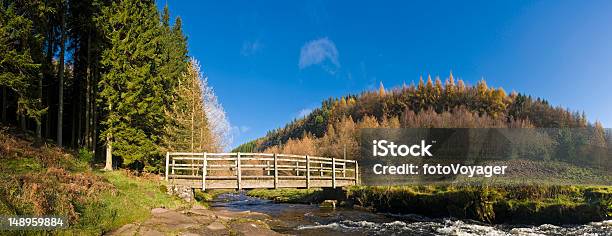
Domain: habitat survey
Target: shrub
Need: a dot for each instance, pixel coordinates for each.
(86, 156)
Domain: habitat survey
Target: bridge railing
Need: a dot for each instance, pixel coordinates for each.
(235, 170)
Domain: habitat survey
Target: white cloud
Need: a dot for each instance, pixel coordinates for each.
(244, 129)
(237, 131)
(250, 48)
(217, 118)
(304, 112)
(318, 52)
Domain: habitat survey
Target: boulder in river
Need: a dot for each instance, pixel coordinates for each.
(328, 204)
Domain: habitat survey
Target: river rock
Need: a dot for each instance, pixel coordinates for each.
(183, 192)
(252, 229)
(214, 226)
(150, 232)
(328, 204)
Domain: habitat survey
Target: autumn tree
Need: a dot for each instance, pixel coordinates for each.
(381, 89)
(430, 103)
(189, 129)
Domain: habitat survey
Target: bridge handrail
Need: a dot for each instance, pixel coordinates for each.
(300, 164)
(317, 160)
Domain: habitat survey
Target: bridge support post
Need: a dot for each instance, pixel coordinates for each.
(307, 172)
(238, 171)
(275, 172)
(167, 164)
(173, 164)
(204, 172)
(356, 173)
(344, 161)
(333, 172)
(321, 170)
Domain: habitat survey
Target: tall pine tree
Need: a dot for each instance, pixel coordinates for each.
(18, 71)
(133, 91)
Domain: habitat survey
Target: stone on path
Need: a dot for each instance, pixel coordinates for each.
(199, 221)
(129, 229)
(158, 210)
(215, 226)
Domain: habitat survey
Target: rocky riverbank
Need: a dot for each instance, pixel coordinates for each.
(528, 204)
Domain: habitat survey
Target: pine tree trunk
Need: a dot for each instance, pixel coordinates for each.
(76, 113)
(22, 122)
(192, 120)
(48, 121)
(109, 144)
(79, 133)
(94, 113)
(192, 123)
(60, 110)
(49, 73)
(40, 96)
(73, 134)
(109, 153)
(88, 93)
(4, 105)
(38, 129)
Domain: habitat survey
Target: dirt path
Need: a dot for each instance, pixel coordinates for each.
(199, 221)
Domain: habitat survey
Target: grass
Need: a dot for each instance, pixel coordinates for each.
(289, 195)
(131, 201)
(205, 197)
(544, 172)
(522, 204)
(531, 204)
(40, 179)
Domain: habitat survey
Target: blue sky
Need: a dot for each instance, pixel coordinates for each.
(271, 62)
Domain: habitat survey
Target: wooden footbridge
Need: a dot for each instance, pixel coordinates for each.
(258, 170)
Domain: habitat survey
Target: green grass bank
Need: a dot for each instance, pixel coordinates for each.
(514, 204)
(39, 179)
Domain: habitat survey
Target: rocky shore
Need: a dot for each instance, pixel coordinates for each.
(199, 221)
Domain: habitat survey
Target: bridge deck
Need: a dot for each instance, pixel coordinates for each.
(258, 170)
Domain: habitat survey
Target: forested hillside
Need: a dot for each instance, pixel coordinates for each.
(110, 77)
(333, 128)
